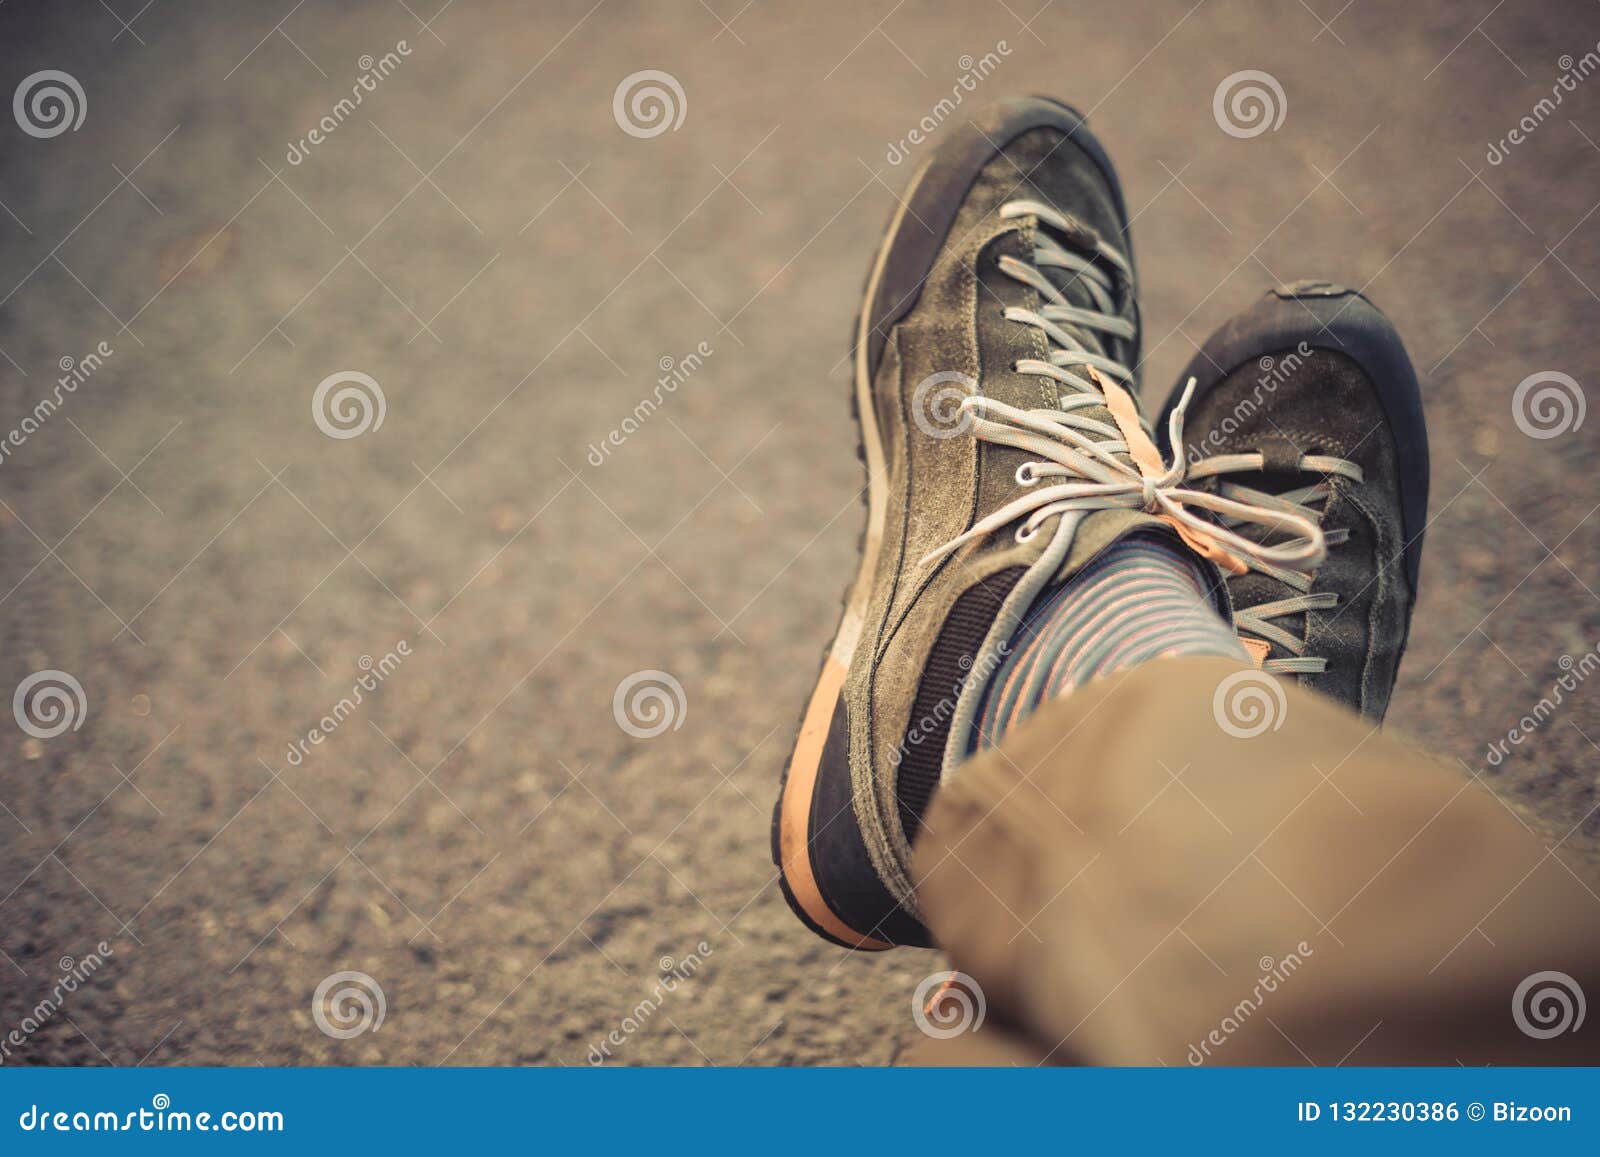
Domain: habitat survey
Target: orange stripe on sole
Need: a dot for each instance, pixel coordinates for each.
(795, 822)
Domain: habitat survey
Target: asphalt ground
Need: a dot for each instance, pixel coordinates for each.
(483, 240)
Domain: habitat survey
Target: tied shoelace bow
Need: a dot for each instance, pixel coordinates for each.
(1101, 466)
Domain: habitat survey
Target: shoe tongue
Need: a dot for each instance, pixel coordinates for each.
(1076, 288)
(1073, 288)
(1254, 588)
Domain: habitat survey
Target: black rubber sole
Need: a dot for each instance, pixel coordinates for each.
(1327, 316)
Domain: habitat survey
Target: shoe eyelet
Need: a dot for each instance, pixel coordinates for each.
(1026, 476)
(1023, 535)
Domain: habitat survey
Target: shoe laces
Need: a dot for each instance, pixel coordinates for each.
(1086, 464)
(1310, 500)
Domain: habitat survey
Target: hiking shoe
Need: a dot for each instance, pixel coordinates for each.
(1307, 401)
(1004, 449)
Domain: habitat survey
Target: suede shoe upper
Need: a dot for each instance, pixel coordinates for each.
(1016, 452)
(1333, 429)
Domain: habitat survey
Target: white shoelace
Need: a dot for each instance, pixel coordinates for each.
(1078, 456)
(1084, 451)
(1312, 502)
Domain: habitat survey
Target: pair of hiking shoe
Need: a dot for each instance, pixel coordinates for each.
(997, 356)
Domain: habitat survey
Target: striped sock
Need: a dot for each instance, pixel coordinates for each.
(1140, 599)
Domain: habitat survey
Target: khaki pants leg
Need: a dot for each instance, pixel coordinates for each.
(1136, 879)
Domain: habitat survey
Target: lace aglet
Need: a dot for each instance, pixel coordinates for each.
(1175, 421)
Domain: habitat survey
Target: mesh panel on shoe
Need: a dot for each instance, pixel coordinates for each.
(949, 665)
